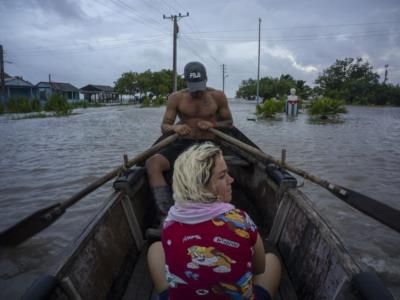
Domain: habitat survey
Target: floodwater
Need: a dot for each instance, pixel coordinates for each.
(44, 161)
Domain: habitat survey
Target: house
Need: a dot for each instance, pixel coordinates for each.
(18, 87)
(98, 93)
(46, 89)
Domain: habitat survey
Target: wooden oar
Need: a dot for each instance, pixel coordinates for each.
(379, 211)
(43, 218)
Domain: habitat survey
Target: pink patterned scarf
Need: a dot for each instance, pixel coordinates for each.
(193, 213)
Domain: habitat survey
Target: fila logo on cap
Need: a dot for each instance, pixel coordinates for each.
(195, 75)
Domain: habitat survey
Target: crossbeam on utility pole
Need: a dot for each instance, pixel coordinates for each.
(175, 19)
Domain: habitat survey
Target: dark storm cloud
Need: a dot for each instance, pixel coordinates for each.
(66, 9)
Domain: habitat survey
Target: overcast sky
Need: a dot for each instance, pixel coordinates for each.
(94, 42)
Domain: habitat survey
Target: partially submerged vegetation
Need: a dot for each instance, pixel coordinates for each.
(269, 108)
(156, 102)
(56, 105)
(325, 108)
(23, 105)
(59, 105)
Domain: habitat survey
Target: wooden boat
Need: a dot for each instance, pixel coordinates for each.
(108, 259)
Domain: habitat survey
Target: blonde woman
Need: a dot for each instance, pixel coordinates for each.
(209, 249)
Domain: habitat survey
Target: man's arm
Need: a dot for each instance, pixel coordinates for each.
(224, 116)
(169, 118)
(168, 121)
(224, 113)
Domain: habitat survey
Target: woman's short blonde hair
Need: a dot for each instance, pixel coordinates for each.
(192, 173)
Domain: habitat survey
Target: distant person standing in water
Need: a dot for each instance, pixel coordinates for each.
(198, 108)
(209, 248)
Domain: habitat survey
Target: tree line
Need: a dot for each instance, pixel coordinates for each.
(351, 80)
(155, 83)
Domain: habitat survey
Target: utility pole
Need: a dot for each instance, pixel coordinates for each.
(223, 77)
(3, 85)
(386, 73)
(175, 19)
(258, 65)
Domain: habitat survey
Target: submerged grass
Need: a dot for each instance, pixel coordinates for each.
(326, 107)
(269, 108)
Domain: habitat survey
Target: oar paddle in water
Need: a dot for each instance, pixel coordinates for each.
(44, 217)
(379, 211)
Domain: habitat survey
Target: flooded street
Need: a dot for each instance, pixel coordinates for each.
(44, 161)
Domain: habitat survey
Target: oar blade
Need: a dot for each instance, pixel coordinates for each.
(30, 225)
(384, 213)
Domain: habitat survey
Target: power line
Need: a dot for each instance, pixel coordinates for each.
(193, 26)
(299, 27)
(79, 45)
(299, 37)
(79, 50)
(138, 18)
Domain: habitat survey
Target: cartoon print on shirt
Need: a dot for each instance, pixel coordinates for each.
(235, 221)
(202, 292)
(243, 289)
(191, 275)
(172, 279)
(209, 257)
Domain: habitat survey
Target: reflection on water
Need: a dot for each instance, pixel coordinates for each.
(43, 161)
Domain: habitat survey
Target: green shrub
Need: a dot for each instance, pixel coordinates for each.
(326, 107)
(19, 104)
(159, 101)
(269, 107)
(280, 105)
(145, 102)
(58, 104)
(35, 104)
(1, 108)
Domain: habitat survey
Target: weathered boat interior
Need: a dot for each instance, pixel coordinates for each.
(108, 260)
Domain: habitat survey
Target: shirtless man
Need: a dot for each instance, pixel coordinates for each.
(198, 108)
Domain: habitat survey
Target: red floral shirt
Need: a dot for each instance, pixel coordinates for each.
(211, 259)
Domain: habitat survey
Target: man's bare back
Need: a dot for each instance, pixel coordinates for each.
(197, 112)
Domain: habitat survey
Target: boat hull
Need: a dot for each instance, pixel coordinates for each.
(108, 259)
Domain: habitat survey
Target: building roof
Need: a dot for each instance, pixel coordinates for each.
(17, 82)
(59, 86)
(97, 88)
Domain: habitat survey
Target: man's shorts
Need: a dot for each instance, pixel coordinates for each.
(172, 151)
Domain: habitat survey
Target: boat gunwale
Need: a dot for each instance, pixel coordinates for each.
(73, 250)
(327, 231)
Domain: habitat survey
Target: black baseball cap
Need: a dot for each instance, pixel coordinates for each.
(195, 76)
